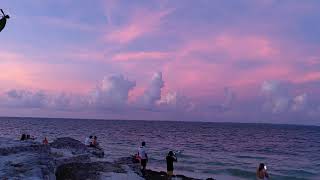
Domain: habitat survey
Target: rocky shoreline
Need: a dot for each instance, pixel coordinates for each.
(65, 158)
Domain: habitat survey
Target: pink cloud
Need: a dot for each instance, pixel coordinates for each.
(141, 55)
(142, 22)
(198, 77)
(10, 56)
(307, 77)
(40, 76)
(232, 46)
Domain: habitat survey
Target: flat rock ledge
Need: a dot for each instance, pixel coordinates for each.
(66, 158)
(150, 174)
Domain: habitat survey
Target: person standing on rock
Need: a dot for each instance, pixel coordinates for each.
(170, 159)
(142, 153)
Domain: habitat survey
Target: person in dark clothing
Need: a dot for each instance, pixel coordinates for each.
(23, 137)
(170, 159)
(262, 172)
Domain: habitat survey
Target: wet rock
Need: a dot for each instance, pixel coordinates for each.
(67, 143)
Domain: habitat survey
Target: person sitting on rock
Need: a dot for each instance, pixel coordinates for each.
(136, 158)
(45, 141)
(30, 137)
(23, 137)
(95, 143)
(170, 159)
(88, 140)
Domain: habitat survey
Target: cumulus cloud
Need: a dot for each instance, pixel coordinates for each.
(270, 87)
(25, 98)
(176, 101)
(299, 102)
(65, 101)
(279, 104)
(153, 92)
(111, 92)
(277, 99)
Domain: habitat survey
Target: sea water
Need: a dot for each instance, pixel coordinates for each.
(218, 150)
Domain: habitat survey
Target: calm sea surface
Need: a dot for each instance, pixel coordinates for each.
(220, 150)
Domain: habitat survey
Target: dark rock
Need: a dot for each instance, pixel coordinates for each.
(76, 147)
(154, 175)
(20, 159)
(149, 174)
(68, 143)
(84, 171)
(96, 152)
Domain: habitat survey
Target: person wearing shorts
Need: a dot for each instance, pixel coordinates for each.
(142, 153)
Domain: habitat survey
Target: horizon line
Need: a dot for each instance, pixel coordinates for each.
(101, 119)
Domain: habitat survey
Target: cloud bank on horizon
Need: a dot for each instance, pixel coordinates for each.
(244, 61)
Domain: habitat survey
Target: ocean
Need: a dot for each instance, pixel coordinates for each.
(218, 150)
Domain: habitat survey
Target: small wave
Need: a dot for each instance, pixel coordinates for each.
(250, 157)
(240, 173)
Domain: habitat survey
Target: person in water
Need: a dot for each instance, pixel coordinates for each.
(262, 172)
(88, 140)
(142, 153)
(45, 141)
(170, 159)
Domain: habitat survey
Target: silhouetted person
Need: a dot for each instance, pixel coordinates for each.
(262, 172)
(3, 20)
(142, 153)
(23, 137)
(170, 159)
(28, 136)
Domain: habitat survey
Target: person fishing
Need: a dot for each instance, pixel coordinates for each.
(143, 156)
(171, 157)
(3, 20)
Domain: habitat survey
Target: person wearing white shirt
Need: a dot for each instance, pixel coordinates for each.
(142, 153)
(88, 141)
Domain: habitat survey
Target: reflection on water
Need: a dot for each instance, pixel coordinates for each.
(221, 150)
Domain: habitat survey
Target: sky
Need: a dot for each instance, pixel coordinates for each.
(184, 60)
